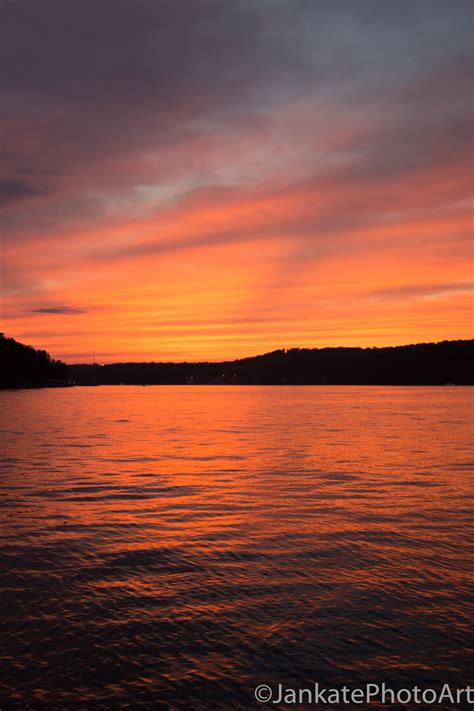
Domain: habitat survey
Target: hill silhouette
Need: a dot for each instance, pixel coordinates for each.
(420, 364)
(447, 362)
(23, 366)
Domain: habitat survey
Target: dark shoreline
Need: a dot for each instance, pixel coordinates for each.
(256, 385)
(430, 364)
(447, 362)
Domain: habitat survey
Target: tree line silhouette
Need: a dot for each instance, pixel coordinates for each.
(421, 364)
(447, 362)
(24, 366)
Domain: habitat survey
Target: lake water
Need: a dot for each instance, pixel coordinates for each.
(174, 547)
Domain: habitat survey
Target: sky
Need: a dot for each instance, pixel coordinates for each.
(213, 179)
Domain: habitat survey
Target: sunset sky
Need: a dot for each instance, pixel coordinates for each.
(210, 179)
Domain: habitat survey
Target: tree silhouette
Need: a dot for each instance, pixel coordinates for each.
(23, 366)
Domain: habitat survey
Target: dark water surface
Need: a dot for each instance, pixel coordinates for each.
(173, 547)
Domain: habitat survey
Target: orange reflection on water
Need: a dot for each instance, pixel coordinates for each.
(206, 532)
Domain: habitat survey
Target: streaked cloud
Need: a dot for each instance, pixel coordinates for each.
(214, 179)
(67, 310)
(418, 291)
(13, 190)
